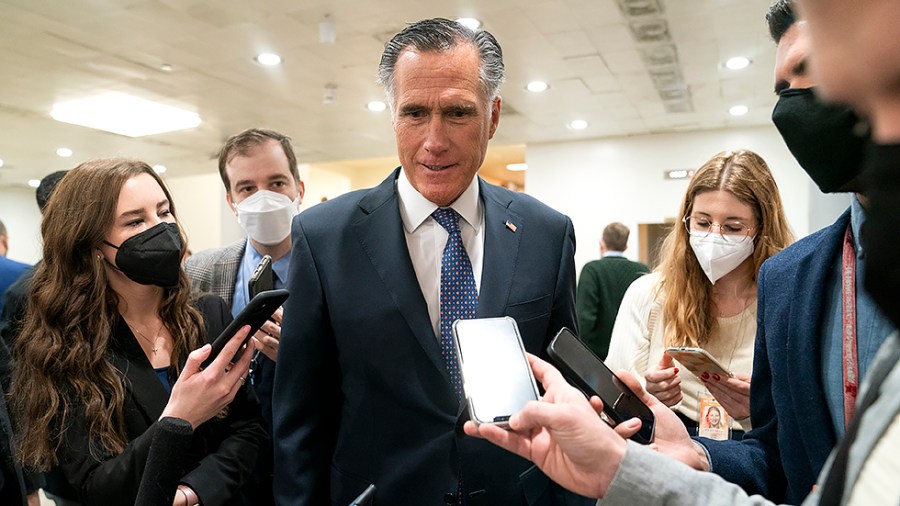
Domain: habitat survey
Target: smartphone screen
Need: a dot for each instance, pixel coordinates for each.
(581, 367)
(497, 378)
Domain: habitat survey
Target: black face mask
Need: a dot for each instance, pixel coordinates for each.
(827, 140)
(881, 231)
(152, 257)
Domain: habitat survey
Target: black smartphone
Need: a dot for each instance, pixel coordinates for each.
(590, 375)
(261, 279)
(497, 378)
(254, 314)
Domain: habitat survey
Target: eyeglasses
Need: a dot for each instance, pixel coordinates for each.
(731, 231)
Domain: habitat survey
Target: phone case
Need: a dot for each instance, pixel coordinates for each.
(254, 314)
(698, 361)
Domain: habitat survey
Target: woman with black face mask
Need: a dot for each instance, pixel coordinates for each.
(106, 349)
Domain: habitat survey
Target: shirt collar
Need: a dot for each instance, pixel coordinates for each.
(415, 209)
(614, 254)
(857, 218)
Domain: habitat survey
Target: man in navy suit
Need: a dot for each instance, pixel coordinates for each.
(362, 392)
(799, 385)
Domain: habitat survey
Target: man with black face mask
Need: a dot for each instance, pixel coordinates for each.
(814, 344)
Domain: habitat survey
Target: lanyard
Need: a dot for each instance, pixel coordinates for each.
(848, 317)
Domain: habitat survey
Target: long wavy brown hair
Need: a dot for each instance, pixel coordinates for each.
(62, 354)
(687, 309)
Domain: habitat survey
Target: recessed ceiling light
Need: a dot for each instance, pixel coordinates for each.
(268, 59)
(160, 169)
(738, 110)
(1, 162)
(64, 152)
(34, 183)
(738, 62)
(376, 106)
(537, 86)
(472, 23)
(517, 167)
(166, 67)
(578, 124)
(124, 114)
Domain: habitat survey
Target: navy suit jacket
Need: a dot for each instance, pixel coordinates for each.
(361, 392)
(793, 433)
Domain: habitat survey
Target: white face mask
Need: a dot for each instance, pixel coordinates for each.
(266, 216)
(719, 256)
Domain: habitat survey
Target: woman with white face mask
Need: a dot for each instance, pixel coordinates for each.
(703, 293)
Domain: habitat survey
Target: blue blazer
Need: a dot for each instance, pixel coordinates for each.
(793, 432)
(361, 394)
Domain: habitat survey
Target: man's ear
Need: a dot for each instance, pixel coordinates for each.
(230, 203)
(301, 191)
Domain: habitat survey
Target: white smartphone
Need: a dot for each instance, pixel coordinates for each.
(497, 377)
(698, 361)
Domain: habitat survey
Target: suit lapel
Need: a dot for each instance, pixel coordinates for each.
(501, 251)
(141, 380)
(805, 341)
(380, 232)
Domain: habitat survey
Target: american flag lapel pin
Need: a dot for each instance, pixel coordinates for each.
(510, 225)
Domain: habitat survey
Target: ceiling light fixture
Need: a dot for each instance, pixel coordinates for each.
(578, 124)
(739, 110)
(472, 23)
(166, 67)
(64, 152)
(376, 106)
(268, 59)
(327, 31)
(34, 183)
(330, 94)
(738, 63)
(160, 169)
(1, 162)
(537, 86)
(517, 167)
(124, 114)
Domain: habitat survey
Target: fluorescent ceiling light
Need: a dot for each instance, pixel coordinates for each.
(738, 62)
(578, 124)
(268, 59)
(472, 23)
(537, 86)
(160, 169)
(64, 152)
(124, 115)
(376, 106)
(1, 162)
(738, 110)
(517, 167)
(34, 183)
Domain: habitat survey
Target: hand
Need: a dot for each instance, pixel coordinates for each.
(669, 435)
(185, 496)
(732, 393)
(562, 435)
(663, 381)
(267, 337)
(199, 395)
(34, 499)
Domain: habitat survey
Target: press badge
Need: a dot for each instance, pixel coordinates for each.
(714, 422)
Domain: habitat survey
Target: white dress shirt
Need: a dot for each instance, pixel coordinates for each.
(426, 238)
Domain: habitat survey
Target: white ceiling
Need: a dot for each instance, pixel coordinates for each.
(586, 49)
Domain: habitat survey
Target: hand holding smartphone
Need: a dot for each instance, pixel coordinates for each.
(254, 314)
(497, 377)
(590, 375)
(698, 361)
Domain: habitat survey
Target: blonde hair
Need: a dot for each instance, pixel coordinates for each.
(687, 313)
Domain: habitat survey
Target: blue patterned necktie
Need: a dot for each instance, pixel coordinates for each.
(459, 295)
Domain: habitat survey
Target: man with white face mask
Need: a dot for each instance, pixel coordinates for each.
(263, 188)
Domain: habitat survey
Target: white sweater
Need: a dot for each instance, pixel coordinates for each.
(633, 348)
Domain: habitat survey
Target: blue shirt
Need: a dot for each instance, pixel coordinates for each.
(249, 262)
(872, 327)
(163, 374)
(10, 270)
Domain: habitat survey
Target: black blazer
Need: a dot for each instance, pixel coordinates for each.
(222, 454)
(361, 391)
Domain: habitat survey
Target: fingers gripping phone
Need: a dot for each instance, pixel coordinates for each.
(497, 378)
(698, 361)
(261, 280)
(590, 375)
(254, 314)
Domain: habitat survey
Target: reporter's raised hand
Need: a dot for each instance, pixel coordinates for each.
(562, 435)
(268, 336)
(663, 381)
(669, 435)
(198, 395)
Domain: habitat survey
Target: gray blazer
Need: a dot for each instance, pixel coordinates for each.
(649, 478)
(215, 270)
